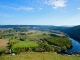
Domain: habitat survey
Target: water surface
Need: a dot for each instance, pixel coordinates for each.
(76, 45)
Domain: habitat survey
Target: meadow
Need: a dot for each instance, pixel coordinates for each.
(39, 56)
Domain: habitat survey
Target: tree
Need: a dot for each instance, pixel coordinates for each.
(64, 48)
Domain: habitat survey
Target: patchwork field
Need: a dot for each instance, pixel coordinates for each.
(24, 43)
(20, 44)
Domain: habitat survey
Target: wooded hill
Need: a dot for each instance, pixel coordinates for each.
(73, 32)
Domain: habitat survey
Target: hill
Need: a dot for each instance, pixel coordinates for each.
(73, 32)
(39, 56)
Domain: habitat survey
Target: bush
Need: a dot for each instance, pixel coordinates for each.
(46, 47)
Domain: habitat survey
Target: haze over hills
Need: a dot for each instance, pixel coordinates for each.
(73, 31)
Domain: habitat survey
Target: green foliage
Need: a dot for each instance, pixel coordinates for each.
(59, 41)
(73, 32)
(46, 47)
(14, 41)
(2, 49)
(54, 35)
(57, 49)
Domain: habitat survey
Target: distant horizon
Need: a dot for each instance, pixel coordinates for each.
(42, 25)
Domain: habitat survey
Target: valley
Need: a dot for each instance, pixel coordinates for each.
(34, 39)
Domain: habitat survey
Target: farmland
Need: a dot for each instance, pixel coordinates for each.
(20, 40)
(28, 42)
(3, 44)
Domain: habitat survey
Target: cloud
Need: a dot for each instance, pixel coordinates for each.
(4, 15)
(17, 8)
(29, 5)
(53, 3)
(41, 3)
(56, 3)
(78, 8)
(23, 8)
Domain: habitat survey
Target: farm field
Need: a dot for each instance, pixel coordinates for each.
(3, 44)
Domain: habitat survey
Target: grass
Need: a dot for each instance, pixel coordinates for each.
(3, 48)
(26, 44)
(38, 35)
(39, 56)
(8, 37)
(14, 40)
(22, 46)
(34, 34)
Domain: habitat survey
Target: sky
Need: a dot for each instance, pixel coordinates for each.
(40, 12)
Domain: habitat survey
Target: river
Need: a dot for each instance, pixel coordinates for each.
(76, 46)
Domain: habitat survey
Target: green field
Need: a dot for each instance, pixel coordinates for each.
(37, 36)
(8, 37)
(25, 44)
(14, 40)
(39, 56)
